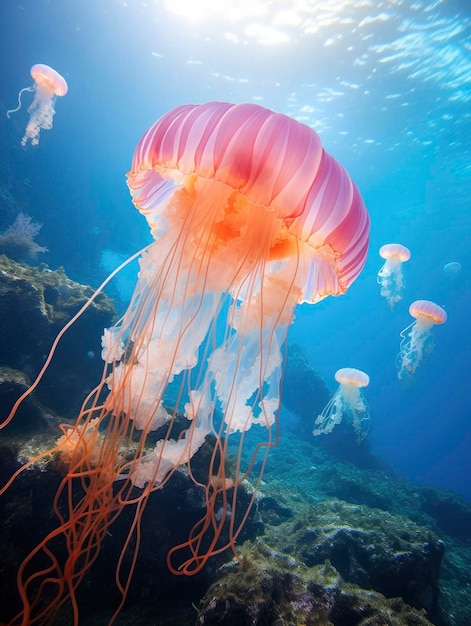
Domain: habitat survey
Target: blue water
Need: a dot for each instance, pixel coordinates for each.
(388, 88)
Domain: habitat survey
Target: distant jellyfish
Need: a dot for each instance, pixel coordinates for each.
(390, 276)
(417, 336)
(453, 268)
(348, 399)
(47, 85)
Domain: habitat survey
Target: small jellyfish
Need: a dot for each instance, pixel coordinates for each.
(390, 276)
(453, 268)
(417, 336)
(47, 85)
(347, 399)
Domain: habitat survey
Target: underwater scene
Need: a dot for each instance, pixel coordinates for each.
(235, 283)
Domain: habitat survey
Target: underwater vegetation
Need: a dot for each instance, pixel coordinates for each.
(18, 240)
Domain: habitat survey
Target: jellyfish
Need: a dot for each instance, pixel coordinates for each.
(452, 269)
(47, 85)
(417, 337)
(390, 276)
(347, 400)
(249, 218)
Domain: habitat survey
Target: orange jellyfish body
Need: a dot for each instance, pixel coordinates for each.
(417, 335)
(390, 276)
(347, 400)
(250, 217)
(47, 85)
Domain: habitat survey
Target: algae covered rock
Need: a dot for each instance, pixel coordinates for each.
(31, 416)
(373, 549)
(273, 588)
(26, 517)
(332, 563)
(35, 304)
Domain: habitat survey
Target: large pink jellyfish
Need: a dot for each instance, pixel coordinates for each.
(417, 335)
(347, 400)
(390, 276)
(47, 85)
(250, 217)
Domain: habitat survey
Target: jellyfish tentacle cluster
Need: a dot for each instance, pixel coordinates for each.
(348, 400)
(250, 218)
(417, 337)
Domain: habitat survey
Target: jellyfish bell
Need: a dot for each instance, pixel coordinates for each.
(352, 377)
(347, 400)
(49, 80)
(427, 312)
(453, 268)
(394, 252)
(48, 84)
(250, 217)
(390, 276)
(417, 336)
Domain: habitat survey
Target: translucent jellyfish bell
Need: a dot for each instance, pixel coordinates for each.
(453, 268)
(390, 276)
(47, 85)
(417, 335)
(348, 399)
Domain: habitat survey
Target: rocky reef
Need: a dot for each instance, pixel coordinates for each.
(380, 532)
(35, 304)
(324, 560)
(273, 588)
(335, 537)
